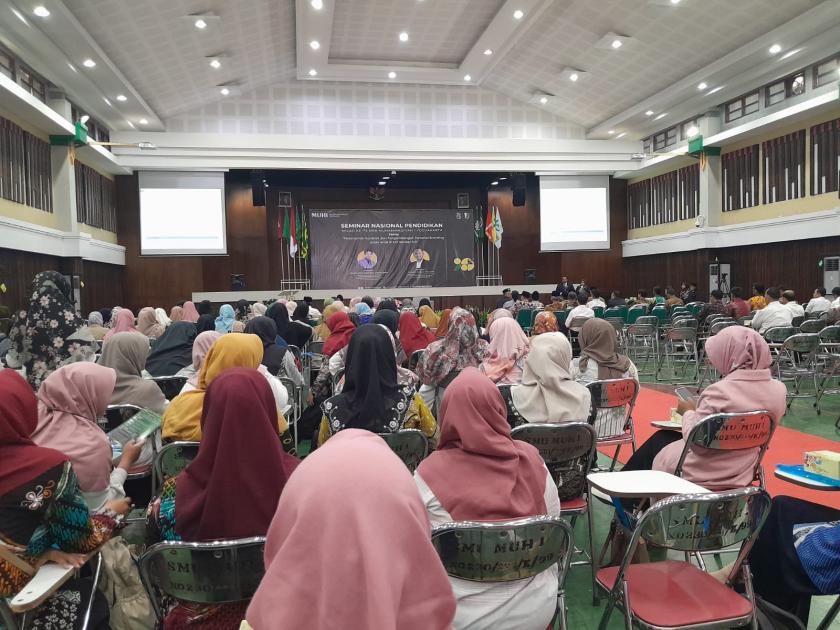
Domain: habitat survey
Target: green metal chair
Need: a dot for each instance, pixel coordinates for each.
(616, 311)
(599, 312)
(635, 312)
(561, 317)
(524, 318)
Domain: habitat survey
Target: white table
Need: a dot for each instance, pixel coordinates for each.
(639, 484)
(801, 480)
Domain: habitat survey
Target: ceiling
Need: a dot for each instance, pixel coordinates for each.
(164, 57)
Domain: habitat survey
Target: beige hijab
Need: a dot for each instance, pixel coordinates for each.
(548, 394)
(147, 323)
(126, 354)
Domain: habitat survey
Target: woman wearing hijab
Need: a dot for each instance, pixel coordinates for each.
(506, 353)
(341, 330)
(479, 473)
(391, 320)
(49, 333)
(231, 489)
(147, 323)
(205, 323)
(69, 402)
(280, 315)
(548, 394)
(224, 322)
(277, 360)
(126, 354)
(599, 358)
(385, 584)
(242, 308)
(176, 314)
(191, 314)
(388, 305)
(123, 322)
(299, 332)
(200, 348)
(322, 331)
(742, 358)
(106, 316)
(372, 397)
(257, 309)
(428, 317)
(413, 335)
(96, 326)
(182, 419)
(204, 307)
(445, 358)
(44, 516)
(545, 322)
(173, 351)
(443, 324)
(364, 312)
(162, 318)
(499, 313)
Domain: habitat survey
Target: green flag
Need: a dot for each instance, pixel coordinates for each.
(478, 224)
(286, 232)
(304, 234)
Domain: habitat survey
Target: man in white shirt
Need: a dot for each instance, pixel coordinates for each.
(596, 300)
(772, 315)
(789, 299)
(581, 310)
(835, 292)
(314, 313)
(819, 304)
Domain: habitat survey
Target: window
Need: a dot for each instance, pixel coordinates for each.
(7, 64)
(666, 198)
(825, 157)
(684, 127)
(825, 72)
(741, 106)
(784, 167)
(32, 83)
(786, 88)
(94, 199)
(665, 139)
(25, 168)
(739, 179)
(647, 145)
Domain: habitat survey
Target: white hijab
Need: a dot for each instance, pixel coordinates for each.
(162, 318)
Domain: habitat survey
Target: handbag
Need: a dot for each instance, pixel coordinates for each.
(128, 601)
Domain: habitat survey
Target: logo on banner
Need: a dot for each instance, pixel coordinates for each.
(464, 264)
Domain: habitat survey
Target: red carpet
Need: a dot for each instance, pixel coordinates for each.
(787, 447)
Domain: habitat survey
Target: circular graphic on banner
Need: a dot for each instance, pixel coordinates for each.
(418, 257)
(464, 264)
(367, 259)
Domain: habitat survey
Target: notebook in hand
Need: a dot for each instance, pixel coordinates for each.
(141, 425)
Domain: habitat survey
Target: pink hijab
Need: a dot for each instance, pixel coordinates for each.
(201, 346)
(124, 322)
(478, 472)
(69, 402)
(176, 314)
(738, 348)
(508, 348)
(365, 519)
(190, 312)
(147, 323)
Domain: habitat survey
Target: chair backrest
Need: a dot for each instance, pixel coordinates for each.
(778, 334)
(410, 445)
(636, 311)
(577, 322)
(561, 317)
(803, 343)
(711, 319)
(414, 359)
(731, 432)
(616, 311)
(599, 311)
(797, 321)
(660, 312)
(720, 324)
(745, 320)
(617, 323)
(682, 334)
(568, 449)
(173, 458)
(648, 320)
(641, 330)
(613, 394)
(812, 325)
(506, 551)
(115, 415)
(684, 322)
(523, 317)
(170, 385)
(204, 573)
(315, 347)
(830, 334)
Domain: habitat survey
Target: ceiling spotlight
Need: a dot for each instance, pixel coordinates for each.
(702, 85)
(84, 119)
(107, 101)
(313, 73)
(790, 53)
(775, 49)
(89, 63)
(131, 124)
(467, 78)
(41, 11)
(392, 75)
(215, 64)
(122, 98)
(488, 52)
(574, 77)
(518, 14)
(382, 182)
(200, 24)
(395, 172)
(224, 91)
(622, 134)
(649, 112)
(713, 90)
(386, 177)
(314, 44)
(543, 100)
(19, 16)
(494, 183)
(403, 36)
(616, 43)
(675, 1)
(143, 121)
(692, 131)
(317, 4)
(72, 67)
(611, 131)
(661, 116)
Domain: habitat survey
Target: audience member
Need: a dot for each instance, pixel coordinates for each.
(616, 299)
(788, 298)
(363, 312)
(835, 293)
(277, 359)
(819, 304)
(599, 358)
(689, 293)
(773, 314)
(299, 332)
(226, 318)
(545, 322)
(443, 324)
(200, 348)
(514, 299)
(737, 307)
(413, 335)
(758, 301)
(577, 310)
(564, 286)
(504, 299)
(278, 313)
(190, 312)
(535, 300)
(505, 356)
(162, 318)
(499, 313)
(480, 473)
(123, 321)
(173, 351)
(96, 326)
(714, 307)
(257, 309)
(147, 323)
(557, 303)
(428, 317)
(595, 300)
(658, 296)
(205, 323)
(176, 314)
(126, 354)
(671, 298)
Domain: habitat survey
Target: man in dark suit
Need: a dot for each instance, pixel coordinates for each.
(504, 299)
(564, 287)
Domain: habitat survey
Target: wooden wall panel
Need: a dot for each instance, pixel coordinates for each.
(17, 269)
(103, 286)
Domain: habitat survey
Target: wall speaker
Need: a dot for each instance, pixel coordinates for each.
(257, 188)
(237, 282)
(518, 186)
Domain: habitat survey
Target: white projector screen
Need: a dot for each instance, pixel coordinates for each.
(182, 214)
(574, 213)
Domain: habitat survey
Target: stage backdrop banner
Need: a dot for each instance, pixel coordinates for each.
(358, 249)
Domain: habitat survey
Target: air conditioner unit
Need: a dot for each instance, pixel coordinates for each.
(831, 272)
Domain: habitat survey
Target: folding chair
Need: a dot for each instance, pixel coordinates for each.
(616, 311)
(414, 359)
(218, 572)
(410, 445)
(776, 336)
(170, 386)
(296, 400)
(115, 415)
(676, 594)
(797, 321)
(524, 319)
(170, 460)
(561, 317)
(812, 325)
(695, 307)
(612, 413)
(576, 324)
(599, 311)
(680, 348)
(641, 340)
(507, 552)
(315, 354)
(568, 450)
(636, 311)
(5, 325)
(797, 361)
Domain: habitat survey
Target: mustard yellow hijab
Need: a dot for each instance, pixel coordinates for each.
(182, 419)
(321, 330)
(428, 317)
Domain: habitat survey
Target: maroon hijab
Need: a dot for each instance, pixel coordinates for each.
(413, 335)
(497, 477)
(20, 459)
(341, 329)
(231, 488)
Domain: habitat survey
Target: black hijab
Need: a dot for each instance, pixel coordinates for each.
(424, 302)
(265, 328)
(389, 319)
(370, 381)
(173, 350)
(106, 315)
(301, 313)
(388, 305)
(280, 314)
(205, 322)
(241, 309)
(204, 308)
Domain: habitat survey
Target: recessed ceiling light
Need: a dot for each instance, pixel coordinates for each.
(702, 85)
(106, 101)
(382, 183)
(467, 78)
(224, 91)
(616, 43)
(403, 36)
(143, 121)
(713, 90)
(518, 14)
(775, 49)
(622, 134)
(693, 130)
(41, 11)
(494, 183)
(317, 4)
(72, 67)
(386, 177)
(313, 72)
(131, 124)
(200, 24)
(574, 76)
(19, 16)
(543, 100)
(611, 131)
(89, 63)
(122, 98)
(661, 116)
(392, 75)
(215, 64)
(314, 44)
(649, 112)
(675, 1)
(488, 52)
